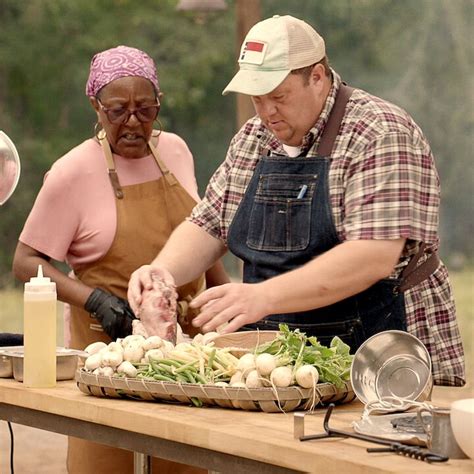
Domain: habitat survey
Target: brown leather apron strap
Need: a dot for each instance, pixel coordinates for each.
(163, 168)
(113, 176)
(413, 274)
(331, 129)
(104, 143)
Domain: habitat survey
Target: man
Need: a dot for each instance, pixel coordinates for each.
(330, 196)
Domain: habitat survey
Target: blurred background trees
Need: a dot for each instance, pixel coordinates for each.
(416, 53)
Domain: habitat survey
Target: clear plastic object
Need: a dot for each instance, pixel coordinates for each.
(9, 167)
(39, 319)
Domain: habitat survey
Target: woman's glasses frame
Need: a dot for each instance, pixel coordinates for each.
(120, 115)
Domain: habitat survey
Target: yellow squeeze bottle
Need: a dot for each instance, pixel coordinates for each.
(39, 319)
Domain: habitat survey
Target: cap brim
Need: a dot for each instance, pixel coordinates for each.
(250, 82)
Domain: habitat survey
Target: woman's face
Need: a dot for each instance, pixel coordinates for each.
(117, 106)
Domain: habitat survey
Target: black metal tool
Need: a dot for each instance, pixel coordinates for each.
(390, 446)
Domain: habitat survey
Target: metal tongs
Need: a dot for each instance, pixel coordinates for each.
(390, 446)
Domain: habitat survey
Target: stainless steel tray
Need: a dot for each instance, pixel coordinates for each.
(11, 362)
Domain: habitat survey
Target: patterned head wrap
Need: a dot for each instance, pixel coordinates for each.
(121, 61)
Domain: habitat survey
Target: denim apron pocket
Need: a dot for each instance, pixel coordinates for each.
(280, 216)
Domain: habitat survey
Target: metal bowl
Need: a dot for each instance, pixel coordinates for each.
(392, 364)
(66, 362)
(6, 368)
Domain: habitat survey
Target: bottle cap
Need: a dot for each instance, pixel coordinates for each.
(40, 283)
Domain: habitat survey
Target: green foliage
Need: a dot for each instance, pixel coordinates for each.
(46, 48)
(415, 53)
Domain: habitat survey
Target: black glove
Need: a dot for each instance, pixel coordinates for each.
(112, 312)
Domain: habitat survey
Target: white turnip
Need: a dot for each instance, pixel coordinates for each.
(282, 376)
(253, 380)
(246, 364)
(265, 364)
(236, 378)
(307, 376)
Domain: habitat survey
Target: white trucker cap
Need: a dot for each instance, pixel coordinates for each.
(271, 50)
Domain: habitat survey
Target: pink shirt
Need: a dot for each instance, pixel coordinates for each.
(74, 216)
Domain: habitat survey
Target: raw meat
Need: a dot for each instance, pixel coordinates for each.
(157, 312)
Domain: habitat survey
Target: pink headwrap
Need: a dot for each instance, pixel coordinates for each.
(121, 61)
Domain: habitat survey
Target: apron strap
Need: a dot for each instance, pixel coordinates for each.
(331, 129)
(414, 274)
(113, 176)
(104, 143)
(163, 168)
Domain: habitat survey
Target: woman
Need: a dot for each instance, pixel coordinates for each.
(115, 199)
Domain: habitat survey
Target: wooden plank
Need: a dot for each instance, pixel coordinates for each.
(263, 437)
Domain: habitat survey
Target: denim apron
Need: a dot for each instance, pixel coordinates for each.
(284, 220)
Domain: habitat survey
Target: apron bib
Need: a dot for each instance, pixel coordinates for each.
(284, 221)
(147, 213)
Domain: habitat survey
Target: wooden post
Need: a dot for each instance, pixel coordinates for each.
(247, 13)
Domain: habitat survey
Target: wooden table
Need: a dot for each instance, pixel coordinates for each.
(218, 439)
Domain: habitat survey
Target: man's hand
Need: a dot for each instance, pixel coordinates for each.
(236, 303)
(142, 279)
(343, 271)
(113, 313)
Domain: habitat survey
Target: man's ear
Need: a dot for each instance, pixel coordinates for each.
(318, 73)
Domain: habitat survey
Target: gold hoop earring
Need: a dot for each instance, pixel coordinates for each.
(99, 132)
(157, 133)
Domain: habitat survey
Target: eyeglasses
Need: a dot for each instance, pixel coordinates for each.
(121, 115)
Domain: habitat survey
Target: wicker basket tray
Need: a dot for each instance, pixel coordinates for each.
(264, 399)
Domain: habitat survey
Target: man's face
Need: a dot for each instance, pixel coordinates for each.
(290, 110)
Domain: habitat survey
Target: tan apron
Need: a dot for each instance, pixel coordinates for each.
(147, 213)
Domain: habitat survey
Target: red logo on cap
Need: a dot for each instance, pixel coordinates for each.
(252, 46)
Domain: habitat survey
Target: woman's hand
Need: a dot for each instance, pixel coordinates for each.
(142, 279)
(113, 313)
(235, 303)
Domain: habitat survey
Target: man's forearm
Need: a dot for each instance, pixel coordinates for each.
(189, 252)
(343, 271)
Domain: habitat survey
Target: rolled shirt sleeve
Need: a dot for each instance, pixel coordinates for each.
(392, 191)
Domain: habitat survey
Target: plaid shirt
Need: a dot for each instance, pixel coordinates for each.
(383, 185)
